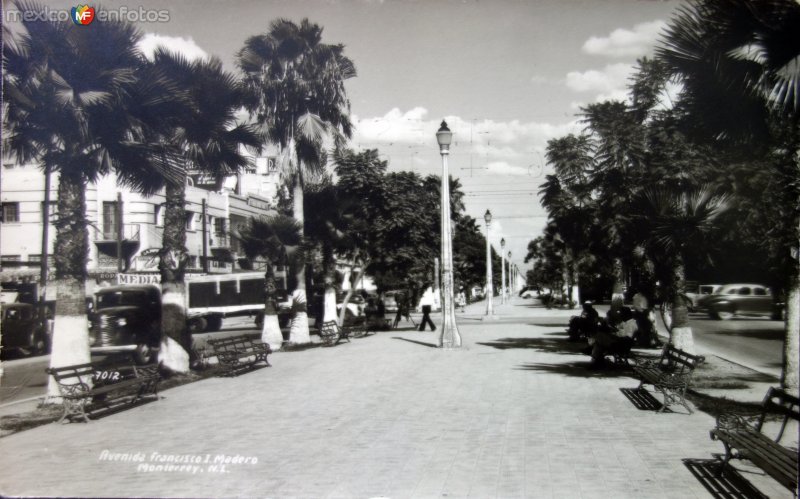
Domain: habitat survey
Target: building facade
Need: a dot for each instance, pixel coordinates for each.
(126, 228)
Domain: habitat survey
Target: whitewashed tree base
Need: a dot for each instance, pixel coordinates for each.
(172, 356)
(70, 346)
(271, 332)
(682, 338)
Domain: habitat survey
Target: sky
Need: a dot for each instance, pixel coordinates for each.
(506, 75)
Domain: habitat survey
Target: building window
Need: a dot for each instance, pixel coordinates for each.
(189, 220)
(10, 212)
(10, 258)
(34, 258)
(110, 218)
(156, 214)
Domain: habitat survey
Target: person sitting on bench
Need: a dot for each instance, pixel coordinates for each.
(618, 334)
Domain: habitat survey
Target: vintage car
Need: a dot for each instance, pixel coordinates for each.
(23, 329)
(127, 318)
(742, 299)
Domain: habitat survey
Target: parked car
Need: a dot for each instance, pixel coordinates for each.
(127, 318)
(23, 329)
(742, 299)
(704, 292)
(390, 301)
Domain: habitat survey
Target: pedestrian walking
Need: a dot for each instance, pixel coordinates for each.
(403, 309)
(427, 304)
(461, 300)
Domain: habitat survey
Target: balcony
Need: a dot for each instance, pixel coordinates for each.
(105, 238)
(220, 241)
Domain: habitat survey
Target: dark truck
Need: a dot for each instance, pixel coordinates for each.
(128, 317)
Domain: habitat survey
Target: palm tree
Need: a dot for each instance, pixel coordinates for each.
(677, 222)
(567, 196)
(738, 64)
(297, 83)
(276, 238)
(619, 150)
(75, 103)
(210, 140)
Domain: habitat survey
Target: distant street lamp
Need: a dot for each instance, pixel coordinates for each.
(502, 271)
(510, 288)
(449, 337)
(489, 287)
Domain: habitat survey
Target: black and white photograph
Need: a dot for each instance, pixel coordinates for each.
(400, 249)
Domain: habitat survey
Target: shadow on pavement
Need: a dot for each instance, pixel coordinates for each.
(550, 345)
(760, 334)
(579, 369)
(641, 399)
(729, 485)
(431, 345)
(560, 324)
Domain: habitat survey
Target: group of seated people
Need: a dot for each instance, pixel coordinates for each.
(617, 332)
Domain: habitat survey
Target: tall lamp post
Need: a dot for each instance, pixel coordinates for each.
(510, 285)
(449, 337)
(502, 271)
(489, 286)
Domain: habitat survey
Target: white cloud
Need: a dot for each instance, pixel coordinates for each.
(502, 147)
(626, 43)
(612, 78)
(187, 47)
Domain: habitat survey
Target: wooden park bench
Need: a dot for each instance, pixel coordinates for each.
(743, 440)
(671, 374)
(238, 353)
(332, 333)
(86, 387)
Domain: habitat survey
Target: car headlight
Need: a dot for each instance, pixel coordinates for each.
(122, 321)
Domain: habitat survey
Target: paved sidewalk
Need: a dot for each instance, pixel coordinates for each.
(515, 413)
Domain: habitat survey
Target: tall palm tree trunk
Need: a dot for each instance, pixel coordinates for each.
(791, 349)
(329, 264)
(617, 294)
(70, 343)
(681, 334)
(271, 329)
(299, 333)
(176, 341)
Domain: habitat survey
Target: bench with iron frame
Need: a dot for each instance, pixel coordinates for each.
(86, 387)
(332, 333)
(743, 440)
(238, 353)
(671, 375)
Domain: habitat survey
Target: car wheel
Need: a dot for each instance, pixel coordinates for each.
(214, 323)
(143, 354)
(725, 315)
(197, 325)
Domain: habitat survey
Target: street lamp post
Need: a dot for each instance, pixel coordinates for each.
(510, 288)
(449, 337)
(502, 271)
(489, 291)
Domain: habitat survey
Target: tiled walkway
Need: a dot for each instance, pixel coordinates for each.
(513, 414)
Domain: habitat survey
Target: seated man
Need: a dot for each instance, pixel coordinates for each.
(585, 324)
(618, 336)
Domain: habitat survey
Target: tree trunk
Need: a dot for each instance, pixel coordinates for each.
(176, 341)
(298, 333)
(791, 349)
(329, 270)
(70, 342)
(349, 294)
(681, 335)
(271, 329)
(617, 294)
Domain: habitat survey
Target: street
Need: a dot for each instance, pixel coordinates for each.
(754, 342)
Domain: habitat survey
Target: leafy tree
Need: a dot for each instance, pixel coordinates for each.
(277, 239)
(675, 223)
(567, 196)
(298, 96)
(209, 139)
(738, 64)
(80, 102)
